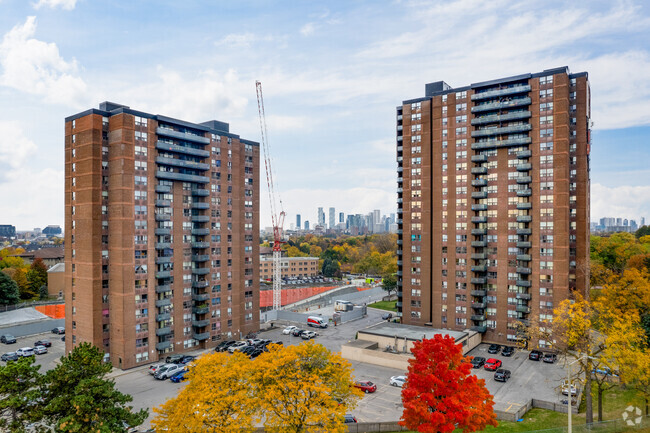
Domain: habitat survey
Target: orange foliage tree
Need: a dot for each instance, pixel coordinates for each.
(441, 394)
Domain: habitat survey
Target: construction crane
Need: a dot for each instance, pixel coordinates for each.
(277, 218)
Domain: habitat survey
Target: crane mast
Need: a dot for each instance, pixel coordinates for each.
(277, 218)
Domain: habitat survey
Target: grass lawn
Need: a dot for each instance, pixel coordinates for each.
(384, 305)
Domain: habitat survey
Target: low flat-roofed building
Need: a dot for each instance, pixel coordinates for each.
(56, 280)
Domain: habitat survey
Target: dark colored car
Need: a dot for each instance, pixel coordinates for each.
(492, 364)
(507, 351)
(60, 330)
(297, 332)
(178, 377)
(387, 316)
(350, 419)
(535, 355)
(477, 362)
(45, 343)
(224, 345)
(174, 359)
(549, 358)
(502, 375)
(187, 359)
(11, 356)
(8, 339)
(494, 348)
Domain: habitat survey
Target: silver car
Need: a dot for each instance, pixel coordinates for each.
(40, 350)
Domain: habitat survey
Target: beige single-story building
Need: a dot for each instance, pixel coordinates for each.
(56, 280)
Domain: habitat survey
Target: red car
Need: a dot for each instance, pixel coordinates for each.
(365, 386)
(492, 364)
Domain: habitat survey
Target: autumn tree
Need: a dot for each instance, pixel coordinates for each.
(389, 283)
(81, 399)
(331, 268)
(441, 394)
(19, 395)
(37, 275)
(9, 294)
(304, 388)
(219, 397)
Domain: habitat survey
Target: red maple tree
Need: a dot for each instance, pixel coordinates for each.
(441, 394)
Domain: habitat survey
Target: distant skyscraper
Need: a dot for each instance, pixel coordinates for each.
(332, 218)
(642, 221)
(321, 216)
(306, 225)
(298, 221)
(7, 231)
(341, 217)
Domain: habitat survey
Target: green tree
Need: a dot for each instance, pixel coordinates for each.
(643, 231)
(81, 399)
(9, 294)
(331, 268)
(389, 283)
(19, 394)
(37, 275)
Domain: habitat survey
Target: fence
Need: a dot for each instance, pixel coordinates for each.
(13, 307)
(632, 423)
(556, 407)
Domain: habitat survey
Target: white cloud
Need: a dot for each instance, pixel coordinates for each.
(246, 40)
(15, 148)
(36, 67)
(622, 201)
(64, 4)
(308, 29)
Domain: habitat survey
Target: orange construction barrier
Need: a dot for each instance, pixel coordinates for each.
(55, 311)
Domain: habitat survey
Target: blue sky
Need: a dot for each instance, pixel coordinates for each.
(332, 74)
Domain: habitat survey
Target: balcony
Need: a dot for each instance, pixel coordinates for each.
(524, 180)
(501, 143)
(200, 297)
(200, 232)
(399, 200)
(478, 305)
(522, 309)
(523, 283)
(170, 175)
(163, 189)
(479, 158)
(200, 205)
(164, 259)
(163, 316)
(478, 244)
(200, 192)
(163, 331)
(524, 270)
(478, 317)
(399, 252)
(479, 256)
(200, 258)
(163, 288)
(524, 154)
(163, 274)
(478, 170)
(399, 263)
(479, 182)
(502, 130)
(400, 169)
(200, 218)
(490, 106)
(479, 329)
(163, 203)
(200, 271)
(199, 284)
(162, 231)
(494, 118)
(479, 194)
(202, 336)
(524, 205)
(400, 242)
(200, 244)
(400, 231)
(524, 167)
(163, 217)
(185, 136)
(479, 207)
(479, 269)
(479, 232)
(524, 244)
(200, 323)
(182, 149)
(203, 309)
(163, 302)
(163, 345)
(399, 190)
(479, 219)
(399, 273)
(524, 257)
(501, 92)
(478, 292)
(163, 245)
(524, 232)
(174, 162)
(524, 218)
(525, 296)
(524, 192)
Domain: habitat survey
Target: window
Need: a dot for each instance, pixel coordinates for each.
(461, 95)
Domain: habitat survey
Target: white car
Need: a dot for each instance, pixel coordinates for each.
(307, 335)
(155, 367)
(167, 371)
(40, 350)
(565, 388)
(288, 329)
(25, 351)
(237, 346)
(398, 381)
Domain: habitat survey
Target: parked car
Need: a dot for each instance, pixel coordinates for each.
(25, 352)
(365, 386)
(398, 381)
(565, 388)
(307, 335)
(40, 350)
(10, 356)
(254, 341)
(549, 358)
(535, 355)
(605, 371)
(60, 330)
(174, 359)
(288, 329)
(507, 351)
(178, 377)
(153, 368)
(168, 370)
(237, 346)
(45, 343)
(387, 316)
(350, 419)
(224, 345)
(187, 359)
(494, 348)
(8, 339)
(502, 375)
(492, 364)
(477, 362)
(296, 332)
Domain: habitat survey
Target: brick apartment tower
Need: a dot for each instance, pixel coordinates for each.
(493, 201)
(161, 233)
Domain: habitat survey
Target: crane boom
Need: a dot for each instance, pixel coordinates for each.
(277, 219)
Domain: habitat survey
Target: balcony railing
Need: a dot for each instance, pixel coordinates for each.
(524, 218)
(201, 336)
(501, 143)
(499, 105)
(524, 205)
(512, 90)
(512, 129)
(478, 280)
(186, 136)
(160, 145)
(163, 302)
(524, 167)
(479, 207)
(479, 170)
(194, 165)
(181, 177)
(494, 118)
(478, 292)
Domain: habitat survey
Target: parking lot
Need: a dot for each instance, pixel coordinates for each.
(48, 360)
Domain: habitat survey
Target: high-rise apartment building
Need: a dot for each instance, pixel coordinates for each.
(298, 221)
(321, 216)
(332, 218)
(493, 201)
(161, 233)
(341, 217)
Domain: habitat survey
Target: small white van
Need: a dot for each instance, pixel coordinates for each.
(317, 322)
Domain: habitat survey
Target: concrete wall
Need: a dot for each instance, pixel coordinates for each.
(383, 341)
(32, 328)
(371, 353)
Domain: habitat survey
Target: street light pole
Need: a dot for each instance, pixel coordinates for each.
(570, 398)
